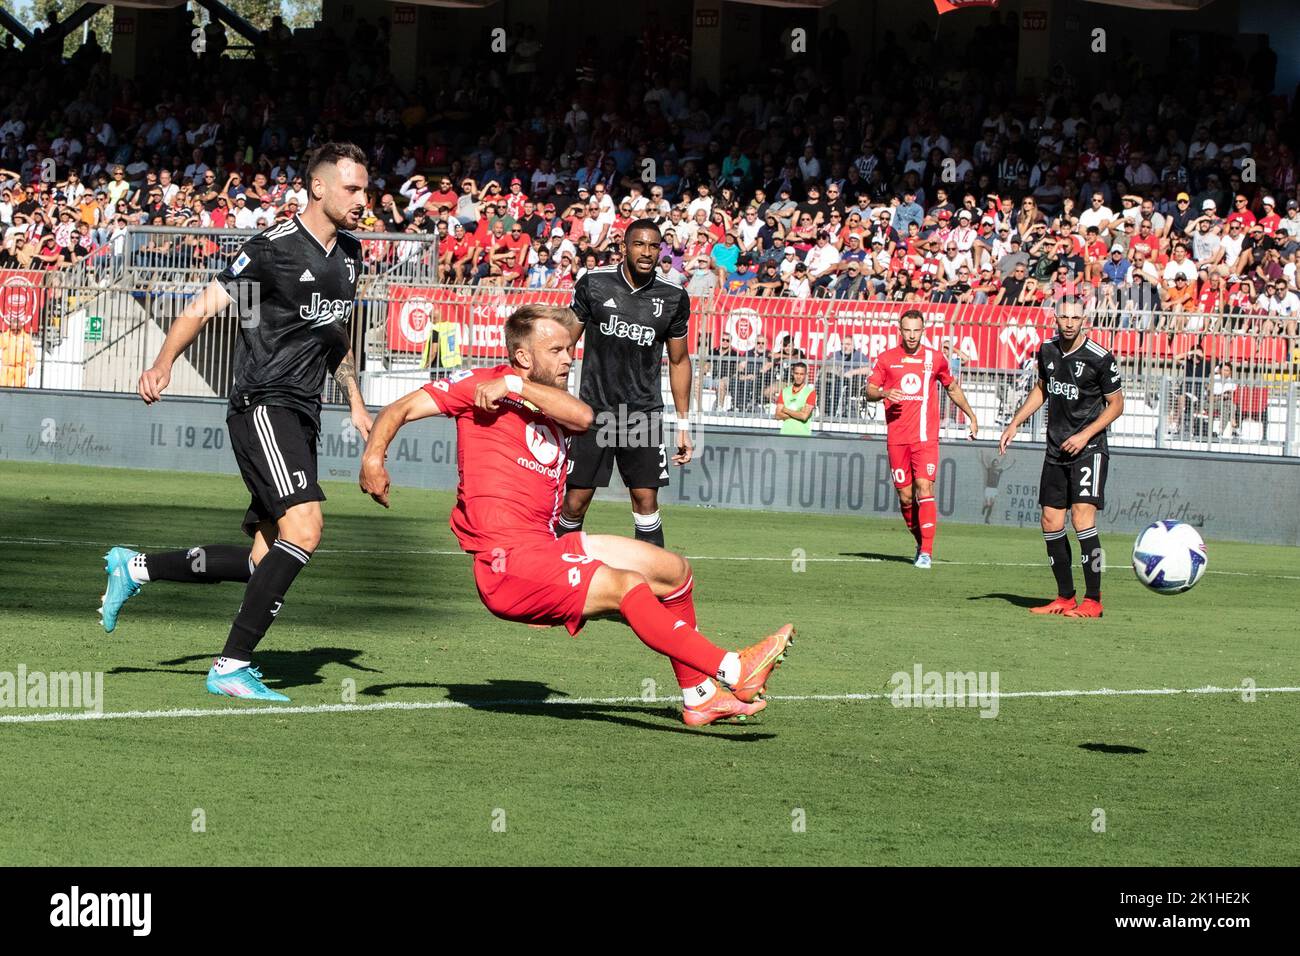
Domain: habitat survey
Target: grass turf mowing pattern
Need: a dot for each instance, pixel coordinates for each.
(627, 782)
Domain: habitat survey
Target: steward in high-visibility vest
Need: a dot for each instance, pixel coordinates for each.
(796, 403)
(442, 347)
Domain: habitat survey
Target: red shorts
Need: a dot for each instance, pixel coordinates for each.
(544, 583)
(917, 460)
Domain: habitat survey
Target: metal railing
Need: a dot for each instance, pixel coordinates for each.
(101, 322)
(1221, 382)
(1230, 389)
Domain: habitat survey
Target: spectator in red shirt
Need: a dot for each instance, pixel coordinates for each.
(1094, 254)
(1241, 212)
(1270, 220)
(516, 269)
(444, 197)
(516, 198)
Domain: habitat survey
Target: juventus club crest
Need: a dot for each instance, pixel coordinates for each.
(658, 306)
(1078, 369)
(352, 269)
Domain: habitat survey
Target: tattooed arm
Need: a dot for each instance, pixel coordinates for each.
(345, 376)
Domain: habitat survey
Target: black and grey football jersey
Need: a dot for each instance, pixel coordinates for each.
(294, 300)
(1077, 384)
(625, 329)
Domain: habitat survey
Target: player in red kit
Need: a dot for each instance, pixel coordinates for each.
(513, 423)
(906, 377)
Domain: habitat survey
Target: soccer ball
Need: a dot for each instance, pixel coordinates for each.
(1169, 557)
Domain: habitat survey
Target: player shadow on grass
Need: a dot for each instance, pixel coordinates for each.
(530, 698)
(1112, 748)
(877, 556)
(1019, 600)
(282, 668)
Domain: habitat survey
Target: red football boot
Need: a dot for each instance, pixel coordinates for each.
(1062, 605)
(1088, 607)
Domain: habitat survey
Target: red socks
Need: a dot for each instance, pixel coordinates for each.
(909, 519)
(682, 603)
(926, 517)
(667, 630)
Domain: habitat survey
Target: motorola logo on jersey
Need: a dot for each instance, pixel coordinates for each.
(543, 442)
(322, 311)
(620, 328)
(1062, 388)
(910, 383)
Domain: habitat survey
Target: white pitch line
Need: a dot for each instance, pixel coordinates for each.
(59, 716)
(435, 552)
(690, 557)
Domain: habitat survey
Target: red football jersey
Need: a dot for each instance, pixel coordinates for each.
(513, 463)
(916, 417)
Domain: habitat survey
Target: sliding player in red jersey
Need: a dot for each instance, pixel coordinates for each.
(513, 423)
(905, 377)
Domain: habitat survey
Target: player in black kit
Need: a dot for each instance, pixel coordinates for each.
(293, 287)
(628, 313)
(1081, 384)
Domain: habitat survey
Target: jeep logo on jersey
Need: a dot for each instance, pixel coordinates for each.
(543, 442)
(1062, 388)
(911, 383)
(744, 326)
(620, 328)
(325, 311)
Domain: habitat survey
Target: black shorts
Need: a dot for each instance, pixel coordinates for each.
(639, 450)
(276, 451)
(1081, 481)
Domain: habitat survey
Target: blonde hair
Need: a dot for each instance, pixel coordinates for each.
(519, 327)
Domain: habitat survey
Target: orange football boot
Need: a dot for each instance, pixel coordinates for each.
(759, 660)
(723, 705)
(1061, 605)
(1088, 607)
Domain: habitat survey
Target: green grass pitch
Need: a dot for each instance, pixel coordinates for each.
(1186, 779)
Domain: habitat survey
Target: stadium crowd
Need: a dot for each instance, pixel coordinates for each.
(1159, 199)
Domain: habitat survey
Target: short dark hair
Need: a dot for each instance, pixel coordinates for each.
(332, 154)
(642, 223)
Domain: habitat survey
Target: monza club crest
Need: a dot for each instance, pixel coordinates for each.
(415, 318)
(744, 326)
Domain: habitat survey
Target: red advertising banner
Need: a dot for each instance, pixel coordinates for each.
(988, 336)
(948, 6)
(21, 297)
(991, 336)
(481, 316)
